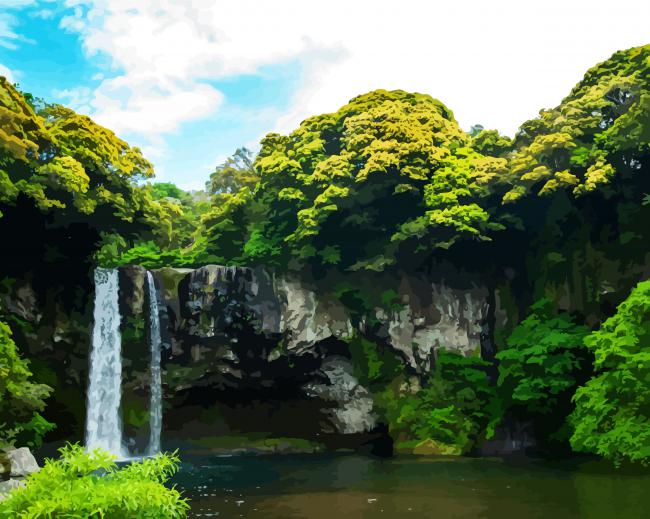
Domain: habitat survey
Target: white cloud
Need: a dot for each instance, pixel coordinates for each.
(6, 72)
(149, 106)
(495, 63)
(9, 38)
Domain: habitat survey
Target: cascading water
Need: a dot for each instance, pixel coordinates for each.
(103, 423)
(155, 409)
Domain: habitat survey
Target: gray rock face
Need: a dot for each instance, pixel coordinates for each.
(15, 465)
(249, 331)
(20, 462)
(352, 411)
(209, 300)
(448, 318)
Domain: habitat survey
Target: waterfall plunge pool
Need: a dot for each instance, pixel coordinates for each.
(357, 487)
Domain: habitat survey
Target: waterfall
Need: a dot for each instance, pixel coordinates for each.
(155, 404)
(103, 423)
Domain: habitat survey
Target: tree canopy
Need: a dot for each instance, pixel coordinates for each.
(347, 189)
(612, 415)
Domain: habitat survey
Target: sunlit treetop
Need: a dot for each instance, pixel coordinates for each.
(349, 187)
(599, 133)
(65, 162)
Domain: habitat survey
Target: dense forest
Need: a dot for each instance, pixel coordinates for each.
(556, 220)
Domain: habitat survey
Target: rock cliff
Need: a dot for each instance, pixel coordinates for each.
(248, 351)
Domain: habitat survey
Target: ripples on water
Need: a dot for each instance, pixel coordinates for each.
(338, 487)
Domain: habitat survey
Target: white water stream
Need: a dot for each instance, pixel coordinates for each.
(155, 404)
(103, 421)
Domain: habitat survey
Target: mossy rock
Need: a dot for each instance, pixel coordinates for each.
(170, 278)
(258, 444)
(431, 447)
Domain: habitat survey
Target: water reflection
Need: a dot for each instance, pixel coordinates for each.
(359, 487)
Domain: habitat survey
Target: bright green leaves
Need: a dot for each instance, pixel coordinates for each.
(539, 369)
(81, 484)
(346, 188)
(455, 407)
(21, 132)
(20, 398)
(542, 359)
(451, 196)
(63, 160)
(612, 416)
(66, 173)
(98, 149)
(600, 133)
(392, 175)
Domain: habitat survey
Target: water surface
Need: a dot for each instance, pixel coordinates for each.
(337, 487)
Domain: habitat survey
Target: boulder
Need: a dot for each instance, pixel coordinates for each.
(20, 462)
(435, 448)
(352, 404)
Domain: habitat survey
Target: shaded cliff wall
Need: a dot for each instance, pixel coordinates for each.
(246, 350)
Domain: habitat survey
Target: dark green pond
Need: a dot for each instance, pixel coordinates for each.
(336, 487)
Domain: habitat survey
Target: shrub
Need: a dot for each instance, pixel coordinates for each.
(373, 363)
(612, 415)
(90, 485)
(455, 407)
(20, 398)
(541, 367)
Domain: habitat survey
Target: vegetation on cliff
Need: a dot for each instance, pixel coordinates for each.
(555, 220)
(21, 398)
(612, 413)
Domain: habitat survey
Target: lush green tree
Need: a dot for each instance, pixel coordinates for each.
(161, 190)
(21, 398)
(66, 182)
(347, 189)
(90, 485)
(455, 408)
(491, 142)
(612, 415)
(235, 173)
(597, 137)
(543, 363)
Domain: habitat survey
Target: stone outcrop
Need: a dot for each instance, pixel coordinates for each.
(353, 405)
(240, 338)
(15, 466)
(202, 303)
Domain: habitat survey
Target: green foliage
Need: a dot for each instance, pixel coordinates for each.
(456, 407)
(76, 185)
(599, 135)
(83, 485)
(612, 415)
(161, 190)
(391, 177)
(172, 237)
(373, 364)
(541, 367)
(234, 174)
(21, 399)
(346, 189)
(62, 160)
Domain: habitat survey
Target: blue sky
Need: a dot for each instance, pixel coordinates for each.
(189, 81)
